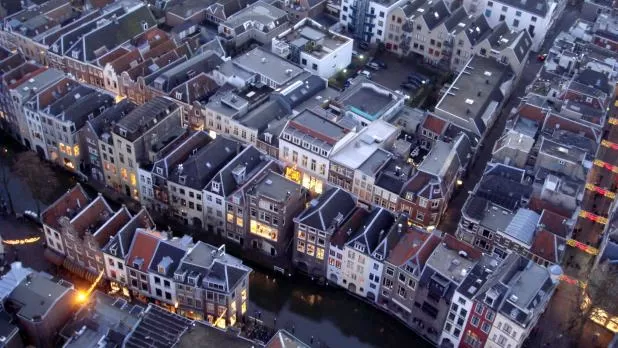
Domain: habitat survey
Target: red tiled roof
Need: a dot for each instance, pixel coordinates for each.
(434, 124)
(538, 205)
(123, 62)
(113, 55)
(571, 125)
(554, 223)
(143, 246)
(456, 244)
(407, 246)
(545, 245)
(354, 222)
(532, 112)
(92, 216)
(72, 201)
(112, 226)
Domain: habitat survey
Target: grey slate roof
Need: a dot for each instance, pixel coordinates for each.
(214, 267)
(201, 167)
(437, 14)
(144, 117)
(113, 114)
(158, 328)
(115, 33)
(537, 7)
(523, 225)
(374, 230)
(594, 79)
(322, 211)
(120, 243)
(250, 158)
(167, 255)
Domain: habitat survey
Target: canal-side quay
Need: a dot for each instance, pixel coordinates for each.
(325, 315)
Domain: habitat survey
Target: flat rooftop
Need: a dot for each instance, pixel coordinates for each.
(259, 12)
(38, 82)
(37, 294)
(359, 149)
(310, 31)
(449, 263)
(260, 61)
(368, 99)
(496, 218)
(471, 92)
(437, 158)
(275, 186)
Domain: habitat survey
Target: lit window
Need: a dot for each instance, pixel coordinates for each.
(239, 222)
(302, 235)
(311, 250)
(320, 254)
(243, 308)
(76, 150)
(133, 180)
(62, 148)
(300, 246)
(230, 217)
(123, 173)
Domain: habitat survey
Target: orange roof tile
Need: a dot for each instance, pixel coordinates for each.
(434, 124)
(71, 202)
(546, 244)
(554, 223)
(407, 246)
(143, 247)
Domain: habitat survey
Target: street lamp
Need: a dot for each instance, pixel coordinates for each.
(82, 296)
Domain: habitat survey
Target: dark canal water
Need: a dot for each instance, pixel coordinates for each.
(328, 315)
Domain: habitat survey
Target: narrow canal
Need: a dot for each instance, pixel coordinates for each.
(326, 316)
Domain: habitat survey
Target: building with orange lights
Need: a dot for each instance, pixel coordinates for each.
(305, 144)
(136, 138)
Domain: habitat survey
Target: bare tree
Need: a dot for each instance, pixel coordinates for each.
(6, 159)
(37, 175)
(599, 295)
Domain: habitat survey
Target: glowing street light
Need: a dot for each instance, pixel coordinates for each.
(82, 296)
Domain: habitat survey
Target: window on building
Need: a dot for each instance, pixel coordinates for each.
(502, 18)
(504, 8)
(515, 23)
(475, 321)
(485, 327)
(303, 61)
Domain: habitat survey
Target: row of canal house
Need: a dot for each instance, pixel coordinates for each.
(87, 237)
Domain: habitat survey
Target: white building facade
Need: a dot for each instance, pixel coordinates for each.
(535, 16)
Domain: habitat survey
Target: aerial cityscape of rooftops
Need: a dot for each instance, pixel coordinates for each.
(309, 173)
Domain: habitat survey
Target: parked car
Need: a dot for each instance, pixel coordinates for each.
(408, 86)
(380, 63)
(373, 66)
(414, 83)
(363, 45)
(420, 77)
(355, 53)
(542, 57)
(365, 73)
